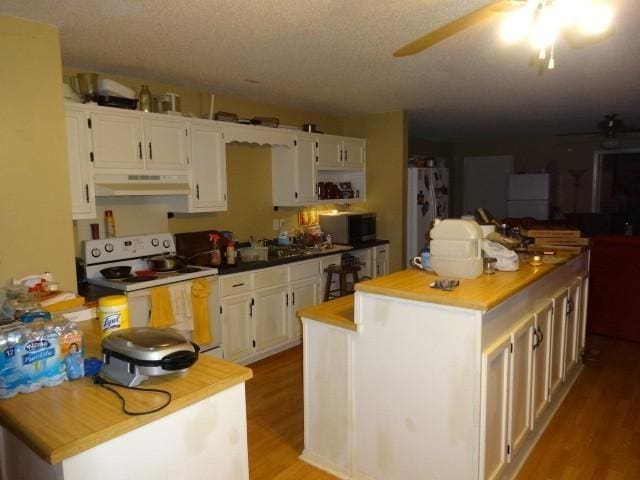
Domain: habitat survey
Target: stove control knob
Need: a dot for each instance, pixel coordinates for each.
(166, 244)
(108, 247)
(155, 242)
(95, 252)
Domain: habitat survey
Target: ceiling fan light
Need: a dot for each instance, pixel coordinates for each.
(545, 30)
(567, 11)
(515, 26)
(595, 18)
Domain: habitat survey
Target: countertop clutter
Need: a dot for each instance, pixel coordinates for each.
(58, 423)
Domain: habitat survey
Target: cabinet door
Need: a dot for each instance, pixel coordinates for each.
(353, 152)
(329, 151)
(571, 355)
(270, 313)
(237, 334)
(305, 170)
(208, 157)
(541, 362)
(520, 380)
(582, 331)
(166, 144)
(82, 195)
(117, 141)
(382, 261)
(557, 342)
(303, 294)
(365, 257)
(494, 409)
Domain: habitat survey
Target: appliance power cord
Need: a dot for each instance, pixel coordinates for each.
(101, 382)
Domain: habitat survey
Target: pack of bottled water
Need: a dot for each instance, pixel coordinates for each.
(39, 354)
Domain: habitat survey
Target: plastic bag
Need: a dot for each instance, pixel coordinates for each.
(507, 259)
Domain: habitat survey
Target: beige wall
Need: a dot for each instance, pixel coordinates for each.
(36, 232)
(386, 135)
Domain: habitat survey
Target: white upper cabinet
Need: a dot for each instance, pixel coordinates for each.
(83, 204)
(137, 142)
(208, 170)
(118, 142)
(166, 141)
(329, 151)
(353, 152)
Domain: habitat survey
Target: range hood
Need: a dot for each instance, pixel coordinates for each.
(107, 185)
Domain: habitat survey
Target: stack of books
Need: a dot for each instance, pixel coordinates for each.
(558, 239)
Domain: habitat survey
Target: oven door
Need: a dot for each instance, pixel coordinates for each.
(362, 228)
(140, 311)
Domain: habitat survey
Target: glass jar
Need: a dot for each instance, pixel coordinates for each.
(144, 99)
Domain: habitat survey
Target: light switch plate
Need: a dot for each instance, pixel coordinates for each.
(276, 224)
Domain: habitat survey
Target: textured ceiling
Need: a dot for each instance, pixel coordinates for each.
(336, 57)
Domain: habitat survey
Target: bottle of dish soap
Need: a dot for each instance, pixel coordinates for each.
(283, 237)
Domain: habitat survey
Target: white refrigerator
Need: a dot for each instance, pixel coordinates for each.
(427, 199)
(529, 195)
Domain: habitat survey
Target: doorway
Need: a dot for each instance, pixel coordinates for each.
(616, 190)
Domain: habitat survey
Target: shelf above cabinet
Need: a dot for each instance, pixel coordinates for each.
(257, 135)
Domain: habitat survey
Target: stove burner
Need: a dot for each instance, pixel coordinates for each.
(188, 270)
(139, 278)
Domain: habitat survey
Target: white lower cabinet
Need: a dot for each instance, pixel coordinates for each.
(493, 416)
(258, 308)
(556, 364)
(237, 329)
(572, 325)
(541, 362)
(520, 384)
(304, 293)
(582, 330)
(270, 315)
(381, 260)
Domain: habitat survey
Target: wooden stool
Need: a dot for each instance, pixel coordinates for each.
(342, 271)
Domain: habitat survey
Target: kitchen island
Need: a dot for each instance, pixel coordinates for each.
(77, 430)
(411, 382)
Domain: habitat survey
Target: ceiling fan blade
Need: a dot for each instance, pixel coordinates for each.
(454, 27)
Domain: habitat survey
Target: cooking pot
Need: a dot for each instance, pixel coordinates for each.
(166, 263)
(120, 271)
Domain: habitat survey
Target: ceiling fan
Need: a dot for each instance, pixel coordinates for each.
(583, 22)
(608, 128)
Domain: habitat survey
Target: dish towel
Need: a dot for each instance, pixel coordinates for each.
(161, 312)
(200, 291)
(180, 295)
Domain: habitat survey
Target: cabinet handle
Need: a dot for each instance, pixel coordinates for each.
(541, 338)
(150, 152)
(237, 285)
(225, 197)
(293, 298)
(140, 150)
(198, 191)
(346, 155)
(340, 154)
(287, 299)
(86, 191)
(569, 306)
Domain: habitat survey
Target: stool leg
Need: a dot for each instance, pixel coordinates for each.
(343, 284)
(327, 288)
(356, 279)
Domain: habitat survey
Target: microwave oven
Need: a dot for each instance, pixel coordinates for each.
(350, 228)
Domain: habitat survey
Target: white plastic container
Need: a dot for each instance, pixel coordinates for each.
(456, 249)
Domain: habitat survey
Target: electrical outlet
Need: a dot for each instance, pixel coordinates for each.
(276, 224)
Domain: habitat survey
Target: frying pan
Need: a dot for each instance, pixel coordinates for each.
(121, 271)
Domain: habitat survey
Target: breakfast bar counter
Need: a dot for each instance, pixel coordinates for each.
(78, 430)
(426, 383)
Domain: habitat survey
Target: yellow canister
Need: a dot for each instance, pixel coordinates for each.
(113, 313)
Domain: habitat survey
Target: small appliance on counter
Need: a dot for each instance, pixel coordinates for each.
(132, 355)
(349, 228)
(456, 248)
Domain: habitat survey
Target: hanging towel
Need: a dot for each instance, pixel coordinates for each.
(161, 312)
(180, 294)
(200, 291)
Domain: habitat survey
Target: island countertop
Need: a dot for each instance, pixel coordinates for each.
(62, 421)
(338, 312)
(481, 293)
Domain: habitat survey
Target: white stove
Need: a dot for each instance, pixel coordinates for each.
(133, 252)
